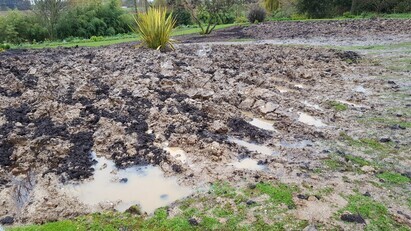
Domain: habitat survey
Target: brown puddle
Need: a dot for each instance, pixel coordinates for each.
(300, 144)
(249, 164)
(253, 147)
(260, 122)
(145, 186)
(309, 120)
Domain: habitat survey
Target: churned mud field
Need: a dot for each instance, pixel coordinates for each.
(297, 136)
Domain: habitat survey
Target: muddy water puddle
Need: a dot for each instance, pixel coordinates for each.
(260, 122)
(22, 188)
(253, 147)
(145, 186)
(299, 144)
(249, 164)
(309, 120)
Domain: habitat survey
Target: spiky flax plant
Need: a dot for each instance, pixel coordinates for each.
(155, 28)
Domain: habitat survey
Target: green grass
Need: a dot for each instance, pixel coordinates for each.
(347, 163)
(338, 106)
(112, 40)
(223, 208)
(302, 18)
(394, 178)
(279, 194)
(386, 121)
(375, 213)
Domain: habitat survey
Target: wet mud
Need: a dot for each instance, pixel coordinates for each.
(183, 112)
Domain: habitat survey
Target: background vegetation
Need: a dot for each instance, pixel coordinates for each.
(68, 20)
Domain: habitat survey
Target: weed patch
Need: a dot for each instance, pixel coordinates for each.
(375, 213)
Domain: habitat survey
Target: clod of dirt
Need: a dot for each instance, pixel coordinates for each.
(8, 220)
(353, 218)
(193, 221)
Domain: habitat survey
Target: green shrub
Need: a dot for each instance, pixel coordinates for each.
(298, 16)
(17, 27)
(94, 20)
(348, 15)
(271, 5)
(256, 14)
(96, 38)
(155, 28)
(241, 19)
(4, 46)
(182, 16)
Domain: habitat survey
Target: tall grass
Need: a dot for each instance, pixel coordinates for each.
(155, 28)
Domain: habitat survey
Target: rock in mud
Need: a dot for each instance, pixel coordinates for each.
(367, 169)
(310, 228)
(8, 220)
(353, 218)
(193, 221)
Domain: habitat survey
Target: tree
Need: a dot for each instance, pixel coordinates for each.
(212, 11)
(49, 13)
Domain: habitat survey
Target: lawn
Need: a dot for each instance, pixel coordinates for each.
(105, 41)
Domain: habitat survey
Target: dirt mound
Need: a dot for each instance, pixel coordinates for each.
(321, 32)
(129, 104)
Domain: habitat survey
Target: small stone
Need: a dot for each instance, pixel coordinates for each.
(302, 197)
(310, 228)
(134, 210)
(193, 221)
(353, 218)
(397, 127)
(268, 107)
(367, 194)
(247, 103)
(312, 198)
(251, 202)
(219, 127)
(7, 220)
(391, 82)
(252, 186)
(367, 169)
(164, 196)
(385, 140)
(123, 180)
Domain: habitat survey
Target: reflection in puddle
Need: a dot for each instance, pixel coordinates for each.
(299, 144)
(259, 122)
(263, 124)
(360, 89)
(307, 119)
(177, 153)
(145, 186)
(249, 164)
(22, 189)
(253, 147)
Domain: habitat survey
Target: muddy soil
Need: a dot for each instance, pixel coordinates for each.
(322, 32)
(57, 106)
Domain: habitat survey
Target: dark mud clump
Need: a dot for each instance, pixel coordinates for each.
(241, 129)
(349, 56)
(18, 114)
(353, 218)
(6, 150)
(78, 164)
